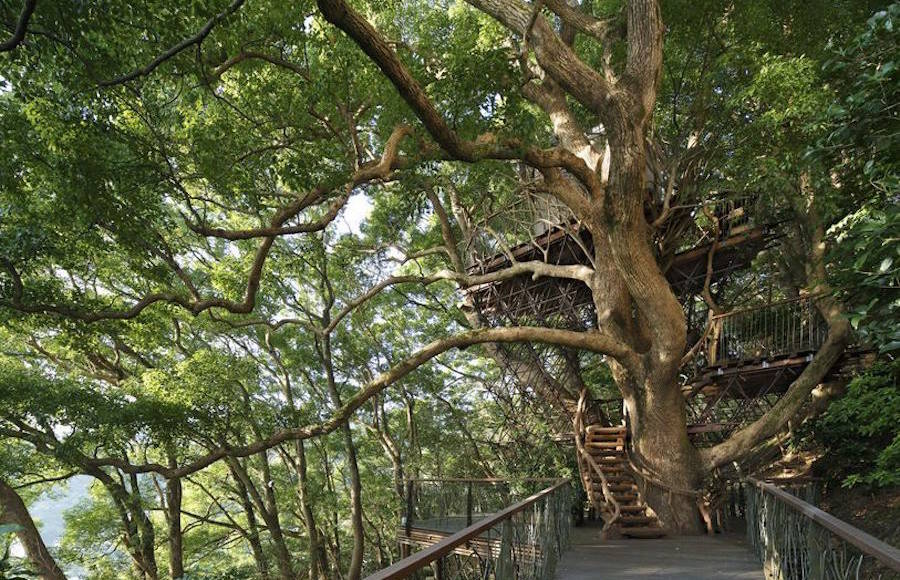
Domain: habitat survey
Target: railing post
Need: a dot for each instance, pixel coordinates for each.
(469, 504)
(409, 506)
(505, 561)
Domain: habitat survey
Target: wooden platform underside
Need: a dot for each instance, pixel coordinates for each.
(524, 295)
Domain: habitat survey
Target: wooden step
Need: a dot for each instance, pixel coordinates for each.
(610, 464)
(605, 436)
(591, 429)
(644, 532)
(615, 453)
(596, 435)
(615, 487)
(607, 456)
(633, 509)
(625, 497)
(607, 440)
(604, 445)
(613, 470)
(638, 521)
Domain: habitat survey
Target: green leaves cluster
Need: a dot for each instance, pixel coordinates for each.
(860, 432)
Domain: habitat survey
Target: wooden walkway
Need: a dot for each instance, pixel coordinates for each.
(683, 558)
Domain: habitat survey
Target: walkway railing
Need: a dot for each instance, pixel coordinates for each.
(522, 541)
(789, 327)
(797, 541)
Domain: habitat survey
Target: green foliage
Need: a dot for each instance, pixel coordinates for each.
(861, 152)
(99, 187)
(865, 267)
(860, 432)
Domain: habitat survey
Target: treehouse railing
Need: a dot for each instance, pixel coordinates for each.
(787, 328)
(522, 541)
(797, 541)
(448, 505)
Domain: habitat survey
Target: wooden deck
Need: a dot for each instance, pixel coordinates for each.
(683, 558)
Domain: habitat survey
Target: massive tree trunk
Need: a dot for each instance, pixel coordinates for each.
(13, 511)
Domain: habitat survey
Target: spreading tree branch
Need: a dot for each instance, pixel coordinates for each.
(176, 49)
(18, 34)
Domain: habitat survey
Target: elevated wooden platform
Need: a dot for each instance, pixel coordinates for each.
(696, 557)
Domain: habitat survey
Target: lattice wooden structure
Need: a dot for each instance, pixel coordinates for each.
(565, 303)
(747, 362)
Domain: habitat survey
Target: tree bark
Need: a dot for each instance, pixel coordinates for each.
(269, 514)
(318, 566)
(259, 554)
(354, 571)
(13, 511)
(176, 544)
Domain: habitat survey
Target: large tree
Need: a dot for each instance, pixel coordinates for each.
(173, 181)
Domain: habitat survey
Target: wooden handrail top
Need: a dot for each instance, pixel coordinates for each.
(406, 566)
(881, 551)
(482, 480)
(766, 306)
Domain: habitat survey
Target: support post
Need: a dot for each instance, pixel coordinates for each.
(469, 504)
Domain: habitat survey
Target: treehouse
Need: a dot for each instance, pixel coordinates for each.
(746, 360)
(568, 303)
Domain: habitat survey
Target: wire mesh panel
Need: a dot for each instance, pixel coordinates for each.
(796, 541)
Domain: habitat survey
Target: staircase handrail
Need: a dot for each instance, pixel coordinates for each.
(604, 484)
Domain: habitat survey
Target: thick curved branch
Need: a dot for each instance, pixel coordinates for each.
(581, 21)
(194, 306)
(379, 51)
(591, 341)
(18, 34)
(744, 440)
(370, 41)
(588, 86)
(535, 268)
(14, 511)
(178, 48)
(380, 169)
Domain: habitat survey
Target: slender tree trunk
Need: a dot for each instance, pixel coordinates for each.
(137, 529)
(13, 511)
(176, 545)
(259, 555)
(145, 526)
(318, 567)
(354, 571)
(270, 516)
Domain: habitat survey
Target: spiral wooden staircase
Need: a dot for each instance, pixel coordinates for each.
(620, 504)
